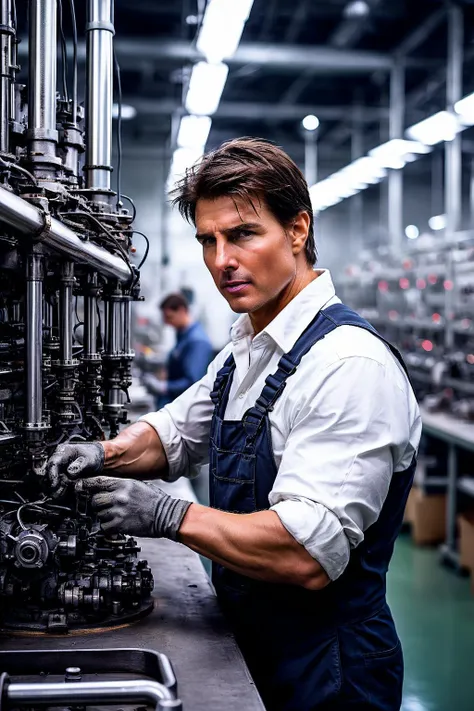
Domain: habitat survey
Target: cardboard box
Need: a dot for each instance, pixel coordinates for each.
(466, 540)
(428, 517)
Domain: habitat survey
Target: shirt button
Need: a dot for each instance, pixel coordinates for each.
(242, 395)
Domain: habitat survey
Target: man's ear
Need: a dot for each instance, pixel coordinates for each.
(299, 232)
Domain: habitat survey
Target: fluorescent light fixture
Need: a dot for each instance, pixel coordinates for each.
(412, 231)
(205, 88)
(363, 172)
(437, 222)
(397, 152)
(193, 131)
(128, 112)
(222, 28)
(310, 122)
(465, 109)
(442, 126)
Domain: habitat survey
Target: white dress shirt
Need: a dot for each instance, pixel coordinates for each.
(346, 423)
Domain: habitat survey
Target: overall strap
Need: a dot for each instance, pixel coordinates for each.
(220, 391)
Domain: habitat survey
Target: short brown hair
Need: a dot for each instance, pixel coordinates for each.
(249, 168)
(174, 302)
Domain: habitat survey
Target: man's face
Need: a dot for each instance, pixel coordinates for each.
(173, 317)
(251, 257)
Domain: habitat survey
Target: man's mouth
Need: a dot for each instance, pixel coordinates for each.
(234, 287)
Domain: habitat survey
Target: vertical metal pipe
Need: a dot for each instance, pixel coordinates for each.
(42, 73)
(90, 325)
(65, 312)
(34, 341)
(127, 322)
(453, 155)
(6, 33)
(395, 177)
(311, 157)
(100, 32)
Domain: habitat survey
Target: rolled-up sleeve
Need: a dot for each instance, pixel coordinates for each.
(337, 465)
(184, 425)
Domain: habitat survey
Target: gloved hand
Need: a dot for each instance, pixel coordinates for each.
(134, 507)
(154, 385)
(74, 461)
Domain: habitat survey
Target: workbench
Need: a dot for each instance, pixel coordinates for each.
(186, 625)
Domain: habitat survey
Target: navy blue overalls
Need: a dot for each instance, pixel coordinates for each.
(335, 648)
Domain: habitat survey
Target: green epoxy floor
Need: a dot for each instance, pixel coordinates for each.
(434, 613)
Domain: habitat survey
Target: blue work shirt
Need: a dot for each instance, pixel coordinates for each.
(187, 362)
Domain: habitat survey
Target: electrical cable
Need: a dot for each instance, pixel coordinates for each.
(63, 50)
(147, 248)
(132, 204)
(119, 130)
(74, 60)
(20, 169)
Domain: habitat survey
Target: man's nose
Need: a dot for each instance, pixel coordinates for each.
(225, 256)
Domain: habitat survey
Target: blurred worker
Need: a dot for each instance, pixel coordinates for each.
(312, 430)
(188, 360)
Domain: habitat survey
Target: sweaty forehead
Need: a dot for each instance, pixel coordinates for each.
(225, 212)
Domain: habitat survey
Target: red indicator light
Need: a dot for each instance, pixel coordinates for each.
(470, 359)
(432, 279)
(448, 285)
(393, 315)
(436, 318)
(383, 285)
(404, 283)
(420, 284)
(427, 346)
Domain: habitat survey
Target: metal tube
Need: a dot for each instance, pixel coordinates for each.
(91, 692)
(65, 313)
(42, 70)
(395, 177)
(100, 32)
(6, 33)
(90, 326)
(34, 341)
(27, 218)
(311, 157)
(127, 332)
(453, 155)
(113, 332)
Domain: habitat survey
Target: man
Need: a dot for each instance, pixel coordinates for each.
(188, 360)
(312, 430)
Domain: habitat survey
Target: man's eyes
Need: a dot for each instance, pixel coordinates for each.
(233, 237)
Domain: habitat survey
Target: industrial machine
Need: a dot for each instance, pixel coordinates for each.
(67, 287)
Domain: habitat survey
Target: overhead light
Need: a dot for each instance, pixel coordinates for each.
(193, 131)
(357, 8)
(364, 171)
(412, 231)
(437, 222)
(183, 158)
(397, 152)
(310, 122)
(128, 112)
(442, 126)
(205, 88)
(222, 28)
(465, 110)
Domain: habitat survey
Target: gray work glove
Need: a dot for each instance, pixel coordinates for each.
(74, 461)
(134, 507)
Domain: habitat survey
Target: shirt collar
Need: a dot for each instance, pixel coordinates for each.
(290, 323)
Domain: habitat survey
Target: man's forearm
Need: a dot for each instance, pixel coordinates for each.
(256, 545)
(136, 453)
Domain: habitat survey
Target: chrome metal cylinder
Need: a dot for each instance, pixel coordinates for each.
(65, 313)
(100, 32)
(6, 34)
(34, 342)
(90, 326)
(127, 327)
(42, 73)
(113, 333)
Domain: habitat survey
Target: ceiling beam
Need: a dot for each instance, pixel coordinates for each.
(252, 111)
(286, 58)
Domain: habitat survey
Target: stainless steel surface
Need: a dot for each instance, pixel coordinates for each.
(113, 332)
(5, 77)
(100, 33)
(395, 177)
(90, 325)
(42, 69)
(34, 342)
(29, 219)
(91, 692)
(127, 322)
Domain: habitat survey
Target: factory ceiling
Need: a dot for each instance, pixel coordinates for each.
(328, 57)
